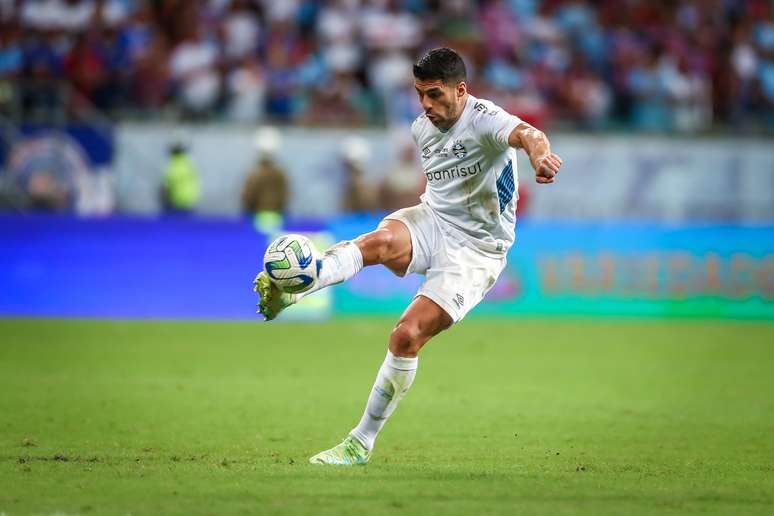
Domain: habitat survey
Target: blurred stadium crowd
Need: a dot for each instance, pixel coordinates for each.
(667, 65)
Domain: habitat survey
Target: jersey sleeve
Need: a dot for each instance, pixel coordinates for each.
(495, 126)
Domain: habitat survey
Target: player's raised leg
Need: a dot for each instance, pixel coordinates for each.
(422, 320)
(389, 244)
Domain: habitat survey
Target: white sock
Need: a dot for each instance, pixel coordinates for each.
(339, 263)
(392, 382)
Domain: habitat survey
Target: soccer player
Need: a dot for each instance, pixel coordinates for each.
(457, 236)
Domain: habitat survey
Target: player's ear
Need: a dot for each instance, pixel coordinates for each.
(462, 88)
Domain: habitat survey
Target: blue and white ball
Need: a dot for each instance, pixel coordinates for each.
(291, 263)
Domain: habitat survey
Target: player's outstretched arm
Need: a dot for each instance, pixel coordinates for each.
(535, 143)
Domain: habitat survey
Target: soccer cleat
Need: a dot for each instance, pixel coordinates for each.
(273, 300)
(347, 453)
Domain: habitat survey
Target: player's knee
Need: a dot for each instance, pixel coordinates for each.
(408, 337)
(405, 339)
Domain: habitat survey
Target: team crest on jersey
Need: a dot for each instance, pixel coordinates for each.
(459, 150)
(426, 152)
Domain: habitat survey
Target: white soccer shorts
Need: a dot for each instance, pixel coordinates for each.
(457, 275)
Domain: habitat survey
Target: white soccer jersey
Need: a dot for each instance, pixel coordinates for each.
(471, 175)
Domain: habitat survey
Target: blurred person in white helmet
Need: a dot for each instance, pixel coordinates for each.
(358, 195)
(265, 191)
(403, 183)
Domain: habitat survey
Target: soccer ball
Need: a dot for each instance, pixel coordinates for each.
(291, 263)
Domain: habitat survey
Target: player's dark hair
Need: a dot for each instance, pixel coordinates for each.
(442, 64)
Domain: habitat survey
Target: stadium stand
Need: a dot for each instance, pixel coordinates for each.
(685, 66)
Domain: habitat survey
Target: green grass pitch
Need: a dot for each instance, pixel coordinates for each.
(514, 416)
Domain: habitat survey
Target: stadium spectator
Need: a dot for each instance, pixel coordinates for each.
(587, 97)
(57, 15)
(40, 96)
(338, 103)
(193, 68)
(282, 85)
(241, 30)
(11, 61)
(87, 69)
(649, 106)
(150, 78)
(763, 38)
(246, 89)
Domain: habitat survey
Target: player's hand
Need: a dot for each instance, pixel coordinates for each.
(546, 168)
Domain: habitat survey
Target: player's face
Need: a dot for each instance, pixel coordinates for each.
(441, 102)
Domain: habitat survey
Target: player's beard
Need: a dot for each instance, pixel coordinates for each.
(444, 122)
